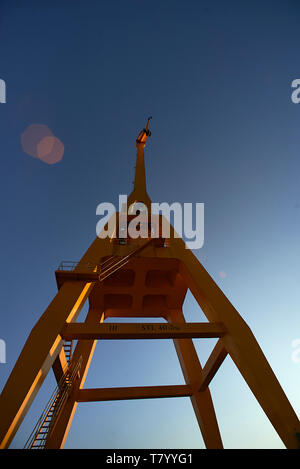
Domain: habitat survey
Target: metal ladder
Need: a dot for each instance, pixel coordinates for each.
(68, 349)
(39, 435)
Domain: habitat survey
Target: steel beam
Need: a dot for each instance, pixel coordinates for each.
(73, 331)
(144, 392)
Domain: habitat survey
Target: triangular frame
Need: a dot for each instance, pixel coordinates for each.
(44, 349)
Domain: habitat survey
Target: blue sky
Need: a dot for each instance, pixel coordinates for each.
(216, 77)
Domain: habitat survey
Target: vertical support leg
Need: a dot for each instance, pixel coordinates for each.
(40, 350)
(242, 346)
(201, 401)
(84, 349)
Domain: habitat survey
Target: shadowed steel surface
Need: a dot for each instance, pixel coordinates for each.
(142, 331)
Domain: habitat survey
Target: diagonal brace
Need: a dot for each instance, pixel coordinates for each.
(213, 363)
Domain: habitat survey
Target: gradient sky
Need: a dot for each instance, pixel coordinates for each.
(216, 77)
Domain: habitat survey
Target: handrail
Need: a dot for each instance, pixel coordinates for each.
(124, 260)
(60, 393)
(71, 265)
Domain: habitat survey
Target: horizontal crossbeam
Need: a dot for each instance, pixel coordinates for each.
(73, 275)
(144, 392)
(77, 331)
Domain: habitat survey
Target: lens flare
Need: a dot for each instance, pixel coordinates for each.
(39, 142)
(50, 150)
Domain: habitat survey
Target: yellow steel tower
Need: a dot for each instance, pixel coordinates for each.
(125, 277)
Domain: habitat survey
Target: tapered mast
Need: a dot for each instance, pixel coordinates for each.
(139, 193)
